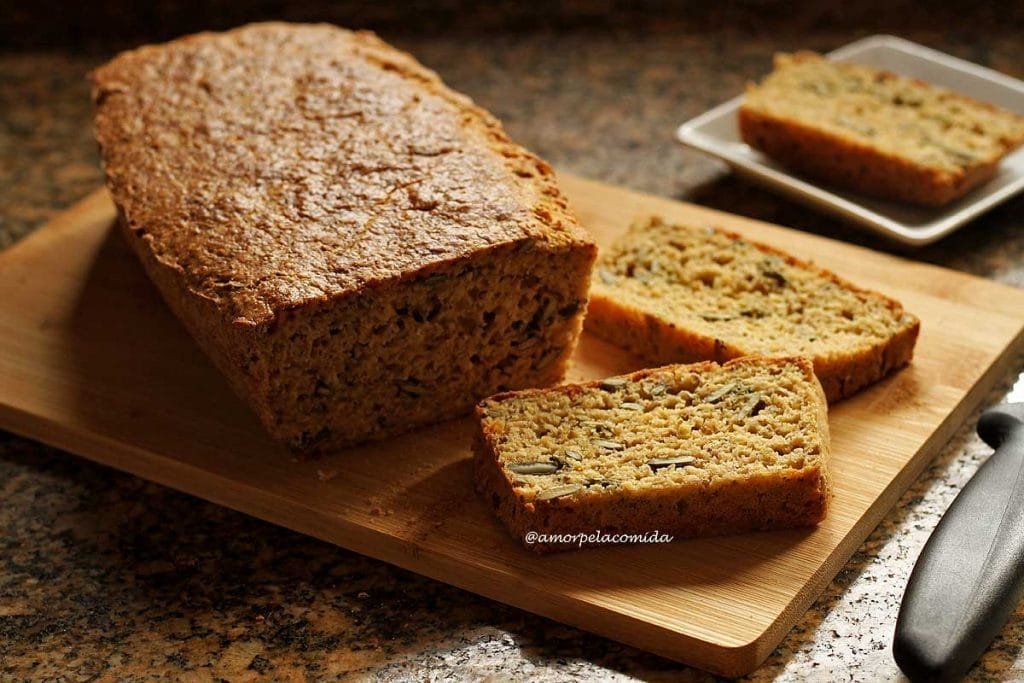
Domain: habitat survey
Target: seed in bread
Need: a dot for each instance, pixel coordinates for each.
(876, 132)
(359, 249)
(683, 450)
(677, 293)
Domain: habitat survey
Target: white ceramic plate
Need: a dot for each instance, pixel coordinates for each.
(717, 133)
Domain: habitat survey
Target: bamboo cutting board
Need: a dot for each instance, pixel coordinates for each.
(91, 361)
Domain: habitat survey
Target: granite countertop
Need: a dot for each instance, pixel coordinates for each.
(105, 576)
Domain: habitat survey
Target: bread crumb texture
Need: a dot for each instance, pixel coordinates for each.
(687, 450)
(360, 249)
(874, 131)
(676, 293)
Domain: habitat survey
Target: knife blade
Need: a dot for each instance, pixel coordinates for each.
(970, 574)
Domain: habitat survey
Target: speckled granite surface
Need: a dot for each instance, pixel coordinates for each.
(106, 577)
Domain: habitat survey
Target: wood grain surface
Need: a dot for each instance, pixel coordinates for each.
(91, 361)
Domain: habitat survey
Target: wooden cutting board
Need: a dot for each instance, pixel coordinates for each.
(91, 361)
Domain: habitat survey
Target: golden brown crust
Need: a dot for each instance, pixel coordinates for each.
(787, 499)
(662, 341)
(277, 164)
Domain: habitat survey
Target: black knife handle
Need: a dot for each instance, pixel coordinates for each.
(970, 574)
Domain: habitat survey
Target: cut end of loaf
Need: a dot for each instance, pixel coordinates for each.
(421, 350)
(685, 450)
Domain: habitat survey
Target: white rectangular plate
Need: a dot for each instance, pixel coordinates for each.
(716, 132)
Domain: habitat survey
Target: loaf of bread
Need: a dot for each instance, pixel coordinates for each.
(875, 132)
(359, 249)
(683, 450)
(677, 293)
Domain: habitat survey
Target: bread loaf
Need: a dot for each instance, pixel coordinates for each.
(358, 248)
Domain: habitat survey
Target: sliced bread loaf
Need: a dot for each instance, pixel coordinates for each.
(676, 293)
(683, 450)
(875, 132)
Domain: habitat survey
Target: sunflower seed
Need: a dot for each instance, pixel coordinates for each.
(569, 310)
(657, 390)
(433, 279)
(721, 393)
(818, 88)
(712, 316)
(559, 492)
(962, 157)
(608, 445)
(958, 154)
(658, 463)
(548, 356)
(854, 125)
(599, 427)
(754, 406)
(573, 455)
(612, 383)
(630, 405)
(526, 343)
(412, 387)
(771, 270)
(534, 468)
(606, 276)
(909, 100)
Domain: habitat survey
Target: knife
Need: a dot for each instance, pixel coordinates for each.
(970, 575)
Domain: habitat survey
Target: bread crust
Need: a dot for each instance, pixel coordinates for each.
(662, 341)
(150, 178)
(795, 498)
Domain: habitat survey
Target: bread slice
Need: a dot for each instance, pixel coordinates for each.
(875, 132)
(683, 450)
(677, 293)
(359, 249)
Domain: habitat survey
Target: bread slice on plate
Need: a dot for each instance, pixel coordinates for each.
(358, 248)
(683, 451)
(680, 293)
(875, 132)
